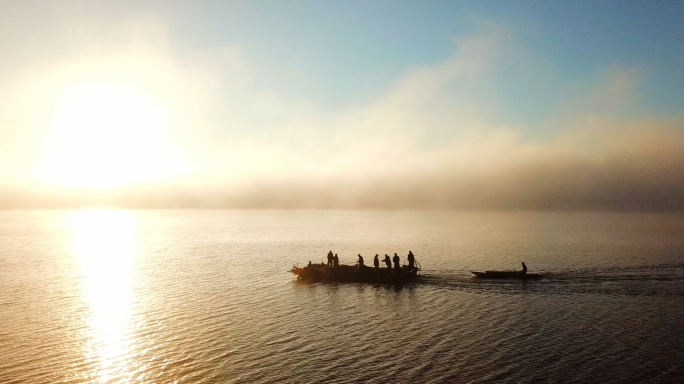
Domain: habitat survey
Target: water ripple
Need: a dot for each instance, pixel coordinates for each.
(203, 297)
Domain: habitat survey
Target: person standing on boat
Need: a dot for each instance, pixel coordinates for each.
(411, 259)
(330, 259)
(336, 261)
(524, 270)
(396, 260)
(388, 262)
(360, 261)
(376, 262)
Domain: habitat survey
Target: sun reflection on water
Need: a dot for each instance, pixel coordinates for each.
(104, 244)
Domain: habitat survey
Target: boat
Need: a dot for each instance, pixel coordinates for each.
(506, 275)
(316, 273)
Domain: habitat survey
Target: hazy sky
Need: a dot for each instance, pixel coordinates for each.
(565, 105)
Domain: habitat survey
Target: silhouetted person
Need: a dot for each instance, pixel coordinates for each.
(330, 259)
(388, 262)
(411, 259)
(397, 267)
(376, 263)
(360, 261)
(524, 270)
(336, 261)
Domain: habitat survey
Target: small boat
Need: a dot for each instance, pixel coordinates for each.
(315, 273)
(506, 275)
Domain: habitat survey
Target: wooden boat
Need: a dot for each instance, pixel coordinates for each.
(315, 273)
(506, 275)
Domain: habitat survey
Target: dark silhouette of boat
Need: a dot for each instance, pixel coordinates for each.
(506, 275)
(315, 273)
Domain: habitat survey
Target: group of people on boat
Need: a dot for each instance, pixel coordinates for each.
(334, 261)
(393, 272)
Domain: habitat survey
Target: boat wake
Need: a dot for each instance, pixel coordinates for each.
(652, 280)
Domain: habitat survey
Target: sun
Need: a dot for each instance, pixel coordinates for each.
(105, 136)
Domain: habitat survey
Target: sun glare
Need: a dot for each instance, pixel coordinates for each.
(104, 136)
(104, 245)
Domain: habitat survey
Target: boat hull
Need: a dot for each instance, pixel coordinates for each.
(506, 275)
(317, 273)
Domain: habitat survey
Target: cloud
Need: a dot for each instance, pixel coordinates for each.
(428, 141)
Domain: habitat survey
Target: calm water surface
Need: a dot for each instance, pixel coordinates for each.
(205, 297)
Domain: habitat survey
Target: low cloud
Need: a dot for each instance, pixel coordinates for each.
(429, 141)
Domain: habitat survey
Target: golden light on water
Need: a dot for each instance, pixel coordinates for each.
(104, 244)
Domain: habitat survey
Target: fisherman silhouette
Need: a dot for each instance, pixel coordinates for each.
(411, 259)
(524, 270)
(396, 260)
(388, 262)
(376, 262)
(360, 261)
(336, 261)
(330, 259)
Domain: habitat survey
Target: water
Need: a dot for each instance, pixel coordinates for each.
(204, 296)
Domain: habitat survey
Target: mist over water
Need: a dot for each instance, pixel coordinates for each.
(204, 296)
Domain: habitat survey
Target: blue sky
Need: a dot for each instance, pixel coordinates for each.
(584, 100)
(339, 51)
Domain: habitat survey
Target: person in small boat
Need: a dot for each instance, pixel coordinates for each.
(411, 259)
(396, 260)
(376, 262)
(330, 259)
(524, 270)
(360, 261)
(388, 262)
(336, 261)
